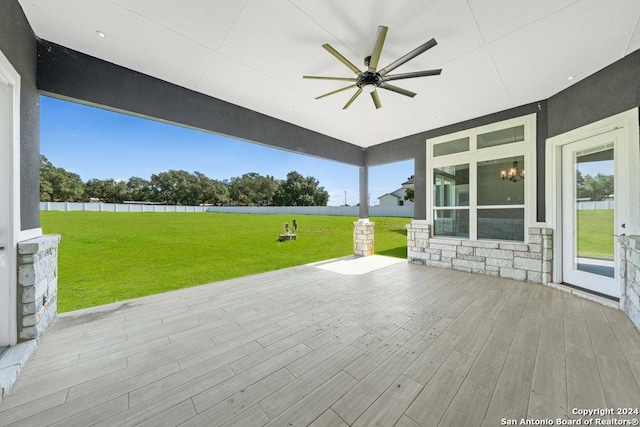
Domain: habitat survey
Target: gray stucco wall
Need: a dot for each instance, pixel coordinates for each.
(66, 73)
(610, 91)
(18, 44)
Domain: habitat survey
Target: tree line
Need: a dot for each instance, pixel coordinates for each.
(179, 187)
(596, 188)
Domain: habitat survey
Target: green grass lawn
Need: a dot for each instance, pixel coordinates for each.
(595, 231)
(106, 257)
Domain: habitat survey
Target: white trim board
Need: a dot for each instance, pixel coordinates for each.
(10, 167)
(627, 126)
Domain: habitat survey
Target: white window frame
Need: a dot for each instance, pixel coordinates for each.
(526, 148)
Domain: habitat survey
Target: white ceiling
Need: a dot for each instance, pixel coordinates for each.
(495, 54)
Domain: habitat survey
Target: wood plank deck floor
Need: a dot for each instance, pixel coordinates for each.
(403, 345)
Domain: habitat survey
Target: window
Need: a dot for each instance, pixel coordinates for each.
(500, 201)
(451, 200)
(469, 198)
(501, 137)
(451, 147)
(400, 202)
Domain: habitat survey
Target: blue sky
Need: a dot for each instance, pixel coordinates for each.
(96, 143)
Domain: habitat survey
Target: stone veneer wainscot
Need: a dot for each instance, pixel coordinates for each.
(530, 261)
(630, 273)
(37, 285)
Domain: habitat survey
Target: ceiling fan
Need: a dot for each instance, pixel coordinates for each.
(372, 78)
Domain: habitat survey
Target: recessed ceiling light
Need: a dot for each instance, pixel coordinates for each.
(289, 108)
(439, 117)
(571, 78)
(101, 34)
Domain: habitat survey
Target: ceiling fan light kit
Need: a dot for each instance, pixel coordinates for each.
(372, 79)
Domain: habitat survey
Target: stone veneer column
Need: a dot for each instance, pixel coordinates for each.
(630, 274)
(37, 285)
(418, 235)
(363, 237)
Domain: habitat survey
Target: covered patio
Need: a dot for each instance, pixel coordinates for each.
(486, 339)
(357, 341)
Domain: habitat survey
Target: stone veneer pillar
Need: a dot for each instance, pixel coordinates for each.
(363, 237)
(531, 262)
(37, 285)
(630, 275)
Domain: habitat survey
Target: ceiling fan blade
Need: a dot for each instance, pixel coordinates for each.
(425, 73)
(336, 91)
(409, 56)
(341, 58)
(353, 98)
(342, 79)
(377, 48)
(397, 89)
(376, 99)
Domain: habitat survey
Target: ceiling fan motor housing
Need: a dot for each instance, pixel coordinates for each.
(369, 78)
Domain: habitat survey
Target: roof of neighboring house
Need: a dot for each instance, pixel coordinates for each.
(392, 194)
(388, 194)
(408, 184)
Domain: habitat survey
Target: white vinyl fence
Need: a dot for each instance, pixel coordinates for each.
(396, 211)
(590, 206)
(113, 207)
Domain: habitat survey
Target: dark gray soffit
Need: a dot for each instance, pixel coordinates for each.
(68, 74)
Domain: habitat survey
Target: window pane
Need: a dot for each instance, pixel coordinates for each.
(451, 147)
(493, 190)
(448, 222)
(594, 240)
(501, 137)
(451, 186)
(501, 224)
